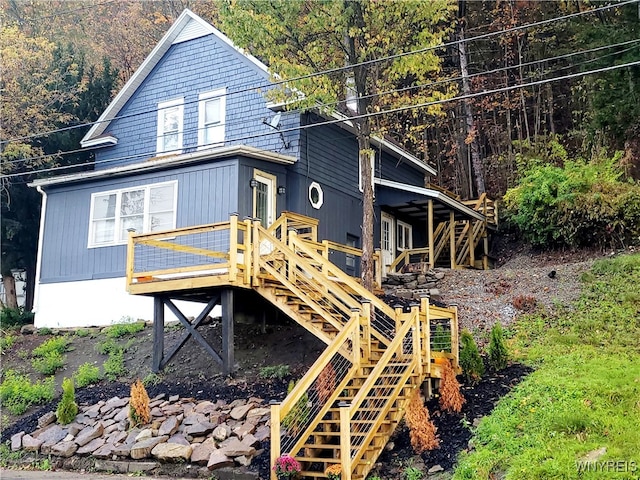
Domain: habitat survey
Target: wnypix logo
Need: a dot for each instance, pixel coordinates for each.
(607, 466)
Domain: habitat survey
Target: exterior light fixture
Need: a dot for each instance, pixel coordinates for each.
(282, 190)
(253, 183)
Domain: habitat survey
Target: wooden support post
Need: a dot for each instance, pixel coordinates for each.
(158, 333)
(432, 260)
(378, 267)
(345, 440)
(233, 248)
(452, 238)
(485, 247)
(417, 349)
(292, 270)
(247, 252)
(472, 242)
(365, 322)
(227, 332)
(398, 315)
(424, 301)
(255, 238)
(455, 348)
(275, 435)
(130, 256)
(355, 339)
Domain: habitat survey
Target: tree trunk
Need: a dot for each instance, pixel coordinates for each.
(30, 286)
(9, 283)
(471, 131)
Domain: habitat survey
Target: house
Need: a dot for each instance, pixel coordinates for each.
(191, 139)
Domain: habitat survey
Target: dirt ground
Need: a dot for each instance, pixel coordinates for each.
(523, 279)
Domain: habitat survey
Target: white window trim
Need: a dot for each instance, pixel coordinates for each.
(372, 161)
(220, 93)
(320, 201)
(179, 102)
(408, 232)
(118, 194)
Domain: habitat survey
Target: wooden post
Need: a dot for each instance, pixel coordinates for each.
(485, 247)
(158, 333)
(130, 263)
(452, 238)
(275, 435)
(291, 276)
(255, 239)
(227, 332)
(432, 260)
(424, 303)
(378, 264)
(345, 440)
(355, 339)
(417, 349)
(455, 348)
(472, 253)
(365, 321)
(233, 248)
(247, 252)
(398, 315)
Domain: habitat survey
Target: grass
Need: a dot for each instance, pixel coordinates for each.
(584, 394)
(17, 393)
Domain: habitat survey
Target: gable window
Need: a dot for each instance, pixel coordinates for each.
(405, 234)
(170, 126)
(211, 118)
(372, 161)
(147, 208)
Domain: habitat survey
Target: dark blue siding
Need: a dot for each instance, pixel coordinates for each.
(186, 70)
(207, 193)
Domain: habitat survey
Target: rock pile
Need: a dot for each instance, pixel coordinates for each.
(215, 434)
(413, 286)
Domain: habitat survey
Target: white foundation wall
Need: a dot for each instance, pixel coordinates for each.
(97, 303)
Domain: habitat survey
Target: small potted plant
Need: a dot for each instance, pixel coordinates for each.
(286, 467)
(334, 471)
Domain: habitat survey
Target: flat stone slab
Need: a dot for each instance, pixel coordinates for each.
(142, 449)
(219, 460)
(172, 452)
(64, 449)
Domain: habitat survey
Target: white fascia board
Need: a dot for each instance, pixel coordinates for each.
(384, 144)
(158, 163)
(101, 141)
(151, 61)
(434, 194)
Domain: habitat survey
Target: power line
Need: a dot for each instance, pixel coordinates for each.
(390, 92)
(344, 68)
(356, 117)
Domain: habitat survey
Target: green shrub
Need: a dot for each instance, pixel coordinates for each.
(413, 473)
(57, 345)
(123, 329)
(14, 317)
(44, 331)
(87, 374)
(497, 350)
(470, 360)
(17, 393)
(107, 347)
(67, 408)
(82, 332)
(114, 366)
(6, 342)
(275, 371)
(48, 364)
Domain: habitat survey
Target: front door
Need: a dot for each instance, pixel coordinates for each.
(387, 241)
(264, 198)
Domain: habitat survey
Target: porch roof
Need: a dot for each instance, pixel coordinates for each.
(413, 202)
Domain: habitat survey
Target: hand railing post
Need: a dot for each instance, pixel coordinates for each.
(255, 238)
(365, 321)
(355, 338)
(247, 251)
(455, 348)
(293, 236)
(398, 315)
(378, 266)
(275, 435)
(345, 440)
(424, 306)
(417, 349)
(130, 257)
(233, 248)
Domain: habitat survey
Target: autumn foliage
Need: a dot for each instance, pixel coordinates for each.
(139, 411)
(451, 398)
(326, 384)
(422, 431)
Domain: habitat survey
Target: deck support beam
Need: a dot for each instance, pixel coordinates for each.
(228, 359)
(158, 334)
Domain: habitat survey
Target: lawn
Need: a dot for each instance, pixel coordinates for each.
(578, 414)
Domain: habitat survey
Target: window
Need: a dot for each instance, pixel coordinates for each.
(264, 197)
(170, 126)
(352, 241)
(211, 117)
(147, 208)
(372, 160)
(405, 234)
(316, 195)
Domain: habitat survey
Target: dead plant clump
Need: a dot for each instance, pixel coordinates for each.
(139, 411)
(451, 398)
(422, 431)
(326, 383)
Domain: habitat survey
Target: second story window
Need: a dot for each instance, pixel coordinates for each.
(211, 118)
(170, 126)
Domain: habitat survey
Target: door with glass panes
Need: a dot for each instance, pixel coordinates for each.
(264, 203)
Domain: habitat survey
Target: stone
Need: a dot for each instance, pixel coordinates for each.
(122, 450)
(114, 403)
(146, 433)
(244, 429)
(46, 419)
(262, 433)
(171, 452)
(249, 440)
(16, 441)
(157, 412)
(177, 438)
(131, 437)
(439, 275)
(435, 469)
(169, 426)
(237, 403)
(199, 429)
(421, 278)
(112, 466)
(243, 461)
(68, 438)
(202, 452)
(239, 412)
(205, 407)
(411, 285)
(193, 418)
(404, 293)
(143, 448)
(218, 460)
(122, 414)
(89, 433)
(31, 444)
(117, 437)
(174, 398)
(221, 433)
(75, 428)
(258, 413)
(434, 293)
(90, 447)
(105, 451)
(236, 448)
(29, 329)
(64, 449)
(136, 467)
(50, 437)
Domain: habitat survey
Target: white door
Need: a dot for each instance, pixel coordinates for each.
(387, 241)
(264, 204)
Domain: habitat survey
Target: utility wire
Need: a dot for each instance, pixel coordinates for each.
(390, 92)
(355, 117)
(347, 67)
